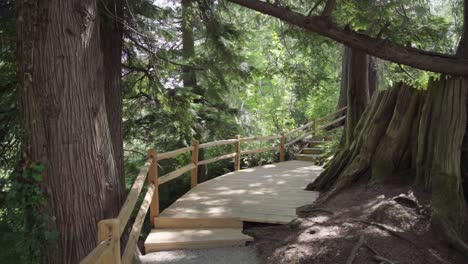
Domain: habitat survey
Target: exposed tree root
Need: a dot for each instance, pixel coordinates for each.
(355, 249)
(416, 132)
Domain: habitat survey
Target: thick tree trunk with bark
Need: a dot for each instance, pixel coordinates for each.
(358, 83)
(111, 44)
(415, 137)
(357, 90)
(62, 89)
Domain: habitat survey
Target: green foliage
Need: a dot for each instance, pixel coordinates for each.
(27, 236)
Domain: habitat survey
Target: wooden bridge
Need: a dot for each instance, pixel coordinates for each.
(212, 213)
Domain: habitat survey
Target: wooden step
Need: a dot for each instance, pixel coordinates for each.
(171, 239)
(312, 151)
(307, 157)
(170, 222)
(316, 143)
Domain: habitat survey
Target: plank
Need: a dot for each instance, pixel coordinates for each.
(174, 153)
(172, 222)
(333, 114)
(94, 256)
(172, 175)
(333, 122)
(217, 143)
(223, 157)
(132, 196)
(299, 129)
(136, 228)
(166, 239)
(250, 139)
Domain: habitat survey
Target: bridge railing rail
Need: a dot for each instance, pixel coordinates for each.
(107, 249)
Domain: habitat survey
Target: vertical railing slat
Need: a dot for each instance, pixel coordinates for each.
(194, 172)
(153, 178)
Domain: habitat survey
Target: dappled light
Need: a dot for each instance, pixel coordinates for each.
(268, 194)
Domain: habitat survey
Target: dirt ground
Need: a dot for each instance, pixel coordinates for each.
(362, 224)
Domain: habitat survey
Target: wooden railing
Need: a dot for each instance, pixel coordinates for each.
(110, 230)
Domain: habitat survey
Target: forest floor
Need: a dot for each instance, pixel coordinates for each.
(362, 224)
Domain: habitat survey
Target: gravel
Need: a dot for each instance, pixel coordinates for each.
(224, 255)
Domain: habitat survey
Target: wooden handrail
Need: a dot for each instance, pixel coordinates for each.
(297, 139)
(332, 114)
(248, 139)
(223, 157)
(109, 230)
(300, 128)
(174, 153)
(218, 143)
(174, 174)
(101, 248)
(136, 229)
(333, 122)
(132, 196)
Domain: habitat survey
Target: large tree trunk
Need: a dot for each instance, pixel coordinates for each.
(65, 119)
(404, 132)
(111, 44)
(358, 83)
(462, 51)
(357, 90)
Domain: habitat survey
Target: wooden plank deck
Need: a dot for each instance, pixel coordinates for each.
(267, 194)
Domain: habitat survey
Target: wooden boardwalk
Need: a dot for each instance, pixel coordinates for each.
(211, 214)
(267, 194)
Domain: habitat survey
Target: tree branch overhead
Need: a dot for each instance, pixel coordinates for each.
(384, 49)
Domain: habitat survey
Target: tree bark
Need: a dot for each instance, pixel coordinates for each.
(384, 49)
(111, 45)
(384, 149)
(357, 90)
(61, 84)
(462, 51)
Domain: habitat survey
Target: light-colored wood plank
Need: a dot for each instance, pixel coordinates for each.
(333, 114)
(265, 138)
(174, 153)
(153, 179)
(108, 230)
(223, 157)
(218, 143)
(172, 175)
(102, 248)
(194, 172)
(170, 222)
(132, 196)
(268, 194)
(299, 129)
(333, 122)
(166, 239)
(297, 139)
(136, 228)
(237, 150)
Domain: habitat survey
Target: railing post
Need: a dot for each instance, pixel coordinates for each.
(109, 229)
(153, 178)
(282, 150)
(314, 127)
(194, 172)
(237, 149)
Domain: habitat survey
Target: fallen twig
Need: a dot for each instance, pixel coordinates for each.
(383, 260)
(385, 228)
(355, 250)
